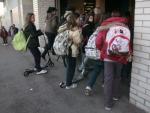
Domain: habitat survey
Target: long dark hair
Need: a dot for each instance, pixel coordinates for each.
(28, 19)
(72, 21)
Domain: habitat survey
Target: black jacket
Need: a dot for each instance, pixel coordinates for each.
(30, 30)
(87, 30)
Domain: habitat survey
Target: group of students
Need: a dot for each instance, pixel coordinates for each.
(4, 33)
(79, 33)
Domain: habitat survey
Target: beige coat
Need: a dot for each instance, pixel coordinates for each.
(75, 37)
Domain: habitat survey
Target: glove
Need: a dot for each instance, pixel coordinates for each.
(39, 32)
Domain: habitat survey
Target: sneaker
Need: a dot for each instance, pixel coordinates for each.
(72, 86)
(107, 108)
(88, 91)
(115, 98)
(35, 69)
(62, 85)
(102, 86)
(5, 44)
(41, 72)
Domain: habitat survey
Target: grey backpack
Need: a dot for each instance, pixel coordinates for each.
(61, 43)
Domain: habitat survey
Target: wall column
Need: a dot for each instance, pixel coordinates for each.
(140, 79)
(20, 13)
(39, 8)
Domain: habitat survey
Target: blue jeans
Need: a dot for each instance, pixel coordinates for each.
(98, 67)
(70, 70)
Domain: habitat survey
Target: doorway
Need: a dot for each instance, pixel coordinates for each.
(81, 6)
(126, 7)
(122, 5)
(63, 6)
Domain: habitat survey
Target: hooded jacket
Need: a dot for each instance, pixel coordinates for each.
(102, 45)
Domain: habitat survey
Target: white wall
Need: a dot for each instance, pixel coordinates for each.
(27, 7)
(10, 5)
(19, 8)
(140, 82)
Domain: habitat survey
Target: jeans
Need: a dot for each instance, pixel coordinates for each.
(51, 38)
(70, 70)
(98, 67)
(37, 57)
(112, 77)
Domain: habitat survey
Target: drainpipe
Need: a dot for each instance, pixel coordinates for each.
(20, 13)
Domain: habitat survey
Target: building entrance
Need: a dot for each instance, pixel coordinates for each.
(126, 7)
(79, 5)
(122, 5)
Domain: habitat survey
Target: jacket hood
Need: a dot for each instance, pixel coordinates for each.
(115, 19)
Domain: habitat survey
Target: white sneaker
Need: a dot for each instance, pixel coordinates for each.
(88, 88)
(102, 85)
(35, 69)
(72, 86)
(115, 99)
(88, 91)
(108, 108)
(41, 72)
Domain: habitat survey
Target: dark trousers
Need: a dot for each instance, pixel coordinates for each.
(126, 71)
(4, 40)
(98, 66)
(112, 77)
(37, 57)
(51, 38)
(70, 70)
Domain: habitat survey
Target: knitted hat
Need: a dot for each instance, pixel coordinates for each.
(49, 10)
(54, 9)
(67, 13)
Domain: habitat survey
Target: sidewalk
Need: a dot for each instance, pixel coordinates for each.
(42, 94)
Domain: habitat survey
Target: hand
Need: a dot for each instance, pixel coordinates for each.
(40, 32)
(130, 58)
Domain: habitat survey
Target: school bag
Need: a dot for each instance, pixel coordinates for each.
(43, 40)
(60, 45)
(118, 40)
(19, 41)
(90, 49)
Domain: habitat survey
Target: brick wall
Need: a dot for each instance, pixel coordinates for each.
(40, 7)
(27, 7)
(140, 82)
(9, 5)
